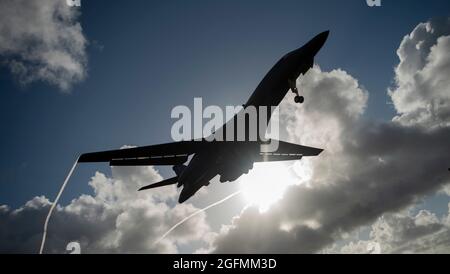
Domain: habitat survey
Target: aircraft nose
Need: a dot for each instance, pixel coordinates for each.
(317, 42)
(324, 34)
(309, 50)
(323, 37)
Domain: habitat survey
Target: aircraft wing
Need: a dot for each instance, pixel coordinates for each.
(164, 154)
(178, 153)
(288, 152)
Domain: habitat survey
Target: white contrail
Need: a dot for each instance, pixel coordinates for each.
(44, 235)
(195, 213)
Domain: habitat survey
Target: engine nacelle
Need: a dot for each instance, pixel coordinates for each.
(234, 172)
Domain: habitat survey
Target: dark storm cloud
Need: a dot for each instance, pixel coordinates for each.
(387, 168)
(369, 169)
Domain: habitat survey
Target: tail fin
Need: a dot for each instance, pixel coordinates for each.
(167, 182)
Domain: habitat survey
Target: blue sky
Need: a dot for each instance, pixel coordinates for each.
(146, 57)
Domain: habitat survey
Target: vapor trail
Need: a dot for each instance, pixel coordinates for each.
(195, 213)
(44, 235)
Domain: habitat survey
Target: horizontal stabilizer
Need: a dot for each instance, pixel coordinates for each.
(288, 152)
(167, 182)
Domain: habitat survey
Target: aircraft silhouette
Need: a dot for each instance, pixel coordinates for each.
(229, 159)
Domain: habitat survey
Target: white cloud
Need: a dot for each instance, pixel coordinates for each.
(335, 101)
(446, 189)
(368, 172)
(368, 169)
(116, 219)
(422, 92)
(423, 232)
(335, 104)
(43, 41)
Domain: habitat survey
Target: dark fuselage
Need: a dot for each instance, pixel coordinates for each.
(229, 160)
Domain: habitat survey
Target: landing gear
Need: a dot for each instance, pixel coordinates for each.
(298, 99)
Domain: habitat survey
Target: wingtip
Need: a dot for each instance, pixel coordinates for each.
(82, 158)
(87, 158)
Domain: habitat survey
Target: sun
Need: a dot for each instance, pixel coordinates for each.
(267, 182)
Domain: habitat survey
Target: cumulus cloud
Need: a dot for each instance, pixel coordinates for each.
(42, 41)
(369, 169)
(115, 219)
(405, 232)
(422, 92)
(368, 175)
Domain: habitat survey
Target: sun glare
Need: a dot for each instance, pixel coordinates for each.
(267, 182)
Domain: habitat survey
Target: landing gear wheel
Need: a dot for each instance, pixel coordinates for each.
(299, 99)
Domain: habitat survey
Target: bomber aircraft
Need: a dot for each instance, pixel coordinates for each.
(229, 159)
